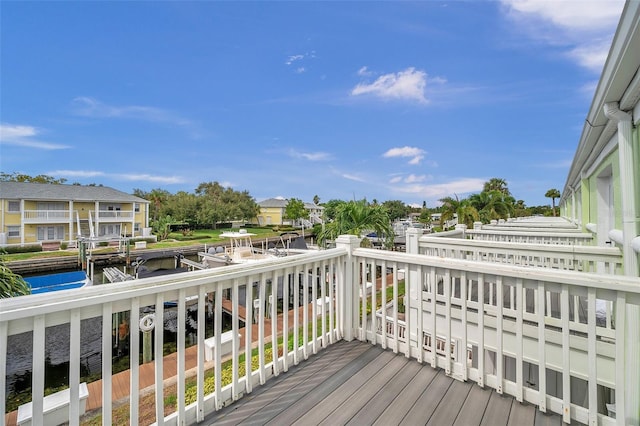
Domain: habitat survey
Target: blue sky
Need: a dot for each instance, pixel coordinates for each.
(410, 101)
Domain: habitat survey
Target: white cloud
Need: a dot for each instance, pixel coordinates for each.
(76, 173)
(293, 58)
(117, 176)
(576, 15)
(404, 85)
(311, 156)
(584, 27)
(460, 186)
(416, 154)
(353, 177)
(24, 136)
(415, 178)
(298, 58)
(90, 107)
(364, 71)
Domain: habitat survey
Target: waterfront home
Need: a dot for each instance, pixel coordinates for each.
(52, 213)
(520, 322)
(273, 212)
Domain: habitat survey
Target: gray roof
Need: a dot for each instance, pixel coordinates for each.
(51, 192)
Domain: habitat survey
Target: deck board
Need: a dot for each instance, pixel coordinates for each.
(451, 404)
(521, 414)
(473, 409)
(372, 409)
(394, 413)
(257, 404)
(354, 402)
(355, 383)
(497, 411)
(428, 401)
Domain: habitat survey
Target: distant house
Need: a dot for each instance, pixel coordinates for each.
(273, 212)
(37, 212)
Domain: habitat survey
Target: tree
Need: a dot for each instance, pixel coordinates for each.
(397, 209)
(356, 217)
(316, 200)
(496, 184)
(11, 284)
(157, 197)
(553, 194)
(183, 207)
(19, 177)
(295, 210)
(162, 227)
(219, 204)
(463, 209)
(330, 209)
(492, 205)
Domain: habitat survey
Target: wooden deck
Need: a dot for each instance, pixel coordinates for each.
(355, 383)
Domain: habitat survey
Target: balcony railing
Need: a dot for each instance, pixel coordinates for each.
(115, 215)
(554, 338)
(59, 216)
(46, 216)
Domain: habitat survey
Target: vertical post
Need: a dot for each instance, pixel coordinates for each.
(630, 258)
(347, 287)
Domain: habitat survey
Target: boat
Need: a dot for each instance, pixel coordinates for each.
(240, 250)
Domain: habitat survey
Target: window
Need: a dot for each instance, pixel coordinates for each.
(136, 207)
(136, 227)
(14, 206)
(13, 232)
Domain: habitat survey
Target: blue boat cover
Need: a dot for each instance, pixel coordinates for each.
(56, 282)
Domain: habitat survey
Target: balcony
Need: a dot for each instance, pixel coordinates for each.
(115, 215)
(539, 340)
(46, 216)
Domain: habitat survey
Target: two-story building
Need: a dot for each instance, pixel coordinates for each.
(273, 212)
(36, 212)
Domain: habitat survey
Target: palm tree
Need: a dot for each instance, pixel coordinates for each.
(492, 205)
(465, 211)
(496, 184)
(11, 284)
(356, 217)
(553, 194)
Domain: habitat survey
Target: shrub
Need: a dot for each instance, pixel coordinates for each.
(27, 248)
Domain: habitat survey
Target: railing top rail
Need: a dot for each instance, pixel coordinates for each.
(428, 240)
(573, 278)
(530, 232)
(531, 227)
(38, 304)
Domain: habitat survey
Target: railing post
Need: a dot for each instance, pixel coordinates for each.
(412, 241)
(347, 299)
(413, 289)
(462, 227)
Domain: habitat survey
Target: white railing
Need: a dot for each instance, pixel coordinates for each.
(115, 215)
(530, 237)
(503, 322)
(46, 216)
(556, 339)
(556, 256)
(35, 320)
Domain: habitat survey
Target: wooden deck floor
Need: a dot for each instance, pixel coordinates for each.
(354, 383)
